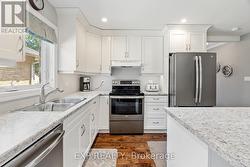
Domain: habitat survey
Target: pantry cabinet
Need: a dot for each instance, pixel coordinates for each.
(152, 55)
(189, 39)
(126, 49)
(93, 53)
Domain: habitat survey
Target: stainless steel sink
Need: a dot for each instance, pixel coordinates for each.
(58, 105)
(49, 107)
(74, 100)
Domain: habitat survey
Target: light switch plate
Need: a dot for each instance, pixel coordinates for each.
(247, 78)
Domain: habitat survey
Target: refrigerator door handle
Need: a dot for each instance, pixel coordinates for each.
(201, 78)
(197, 79)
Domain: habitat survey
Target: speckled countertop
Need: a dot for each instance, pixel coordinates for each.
(225, 130)
(18, 130)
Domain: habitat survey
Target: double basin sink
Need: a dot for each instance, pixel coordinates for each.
(58, 105)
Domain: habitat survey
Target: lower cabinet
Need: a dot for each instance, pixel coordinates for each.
(103, 122)
(80, 132)
(185, 147)
(155, 116)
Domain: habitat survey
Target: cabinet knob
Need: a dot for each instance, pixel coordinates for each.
(156, 122)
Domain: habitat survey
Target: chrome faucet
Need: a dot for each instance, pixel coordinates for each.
(44, 96)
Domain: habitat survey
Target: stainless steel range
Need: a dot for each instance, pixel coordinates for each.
(126, 107)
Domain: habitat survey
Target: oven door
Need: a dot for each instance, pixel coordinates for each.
(126, 107)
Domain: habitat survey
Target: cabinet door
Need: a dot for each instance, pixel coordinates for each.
(119, 48)
(134, 47)
(197, 41)
(106, 54)
(178, 41)
(104, 113)
(152, 59)
(93, 53)
(80, 47)
(84, 131)
(71, 147)
(11, 47)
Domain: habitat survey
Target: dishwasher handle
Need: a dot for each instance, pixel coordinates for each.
(44, 153)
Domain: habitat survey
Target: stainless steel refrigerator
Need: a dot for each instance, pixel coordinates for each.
(192, 79)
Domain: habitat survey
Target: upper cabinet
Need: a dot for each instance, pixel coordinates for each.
(126, 50)
(72, 41)
(152, 55)
(188, 39)
(79, 50)
(93, 53)
(106, 53)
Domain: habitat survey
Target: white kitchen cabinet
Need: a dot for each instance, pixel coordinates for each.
(155, 116)
(152, 55)
(178, 41)
(197, 41)
(72, 41)
(94, 118)
(192, 39)
(93, 53)
(71, 146)
(80, 46)
(134, 45)
(126, 50)
(85, 134)
(185, 146)
(12, 47)
(106, 54)
(104, 113)
(119, 48)
(76, 141)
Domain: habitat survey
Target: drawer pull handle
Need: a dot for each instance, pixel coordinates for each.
(93, 117)
(156, 99)
(156, 109)
(156, 122)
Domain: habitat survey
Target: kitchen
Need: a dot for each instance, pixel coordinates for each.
(86, 79)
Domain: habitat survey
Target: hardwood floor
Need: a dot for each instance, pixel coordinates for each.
(132, 149)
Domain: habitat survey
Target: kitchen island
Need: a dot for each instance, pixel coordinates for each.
(209, 137)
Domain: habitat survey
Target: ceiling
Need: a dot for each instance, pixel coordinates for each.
(154, 14)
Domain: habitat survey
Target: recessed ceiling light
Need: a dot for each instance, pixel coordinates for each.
(235, 29)
(183, 20)
(104, 20)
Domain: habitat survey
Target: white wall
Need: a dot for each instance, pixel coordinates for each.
(234, 91)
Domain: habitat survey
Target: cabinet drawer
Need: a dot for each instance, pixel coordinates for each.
(155, 111)
(156, 99)
(154, 123)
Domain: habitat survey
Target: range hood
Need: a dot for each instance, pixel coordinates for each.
(126, 64)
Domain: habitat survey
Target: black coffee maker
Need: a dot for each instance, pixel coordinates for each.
(85, 84)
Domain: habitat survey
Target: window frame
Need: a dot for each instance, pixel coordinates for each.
(28, 91)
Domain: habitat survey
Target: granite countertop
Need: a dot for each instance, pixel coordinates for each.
(20, 129)
(225, 130)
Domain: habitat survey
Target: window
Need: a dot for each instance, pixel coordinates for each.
(35, 67)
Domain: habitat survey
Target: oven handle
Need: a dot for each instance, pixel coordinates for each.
(126, 97)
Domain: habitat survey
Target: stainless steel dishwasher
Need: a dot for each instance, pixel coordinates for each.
(46, 151)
